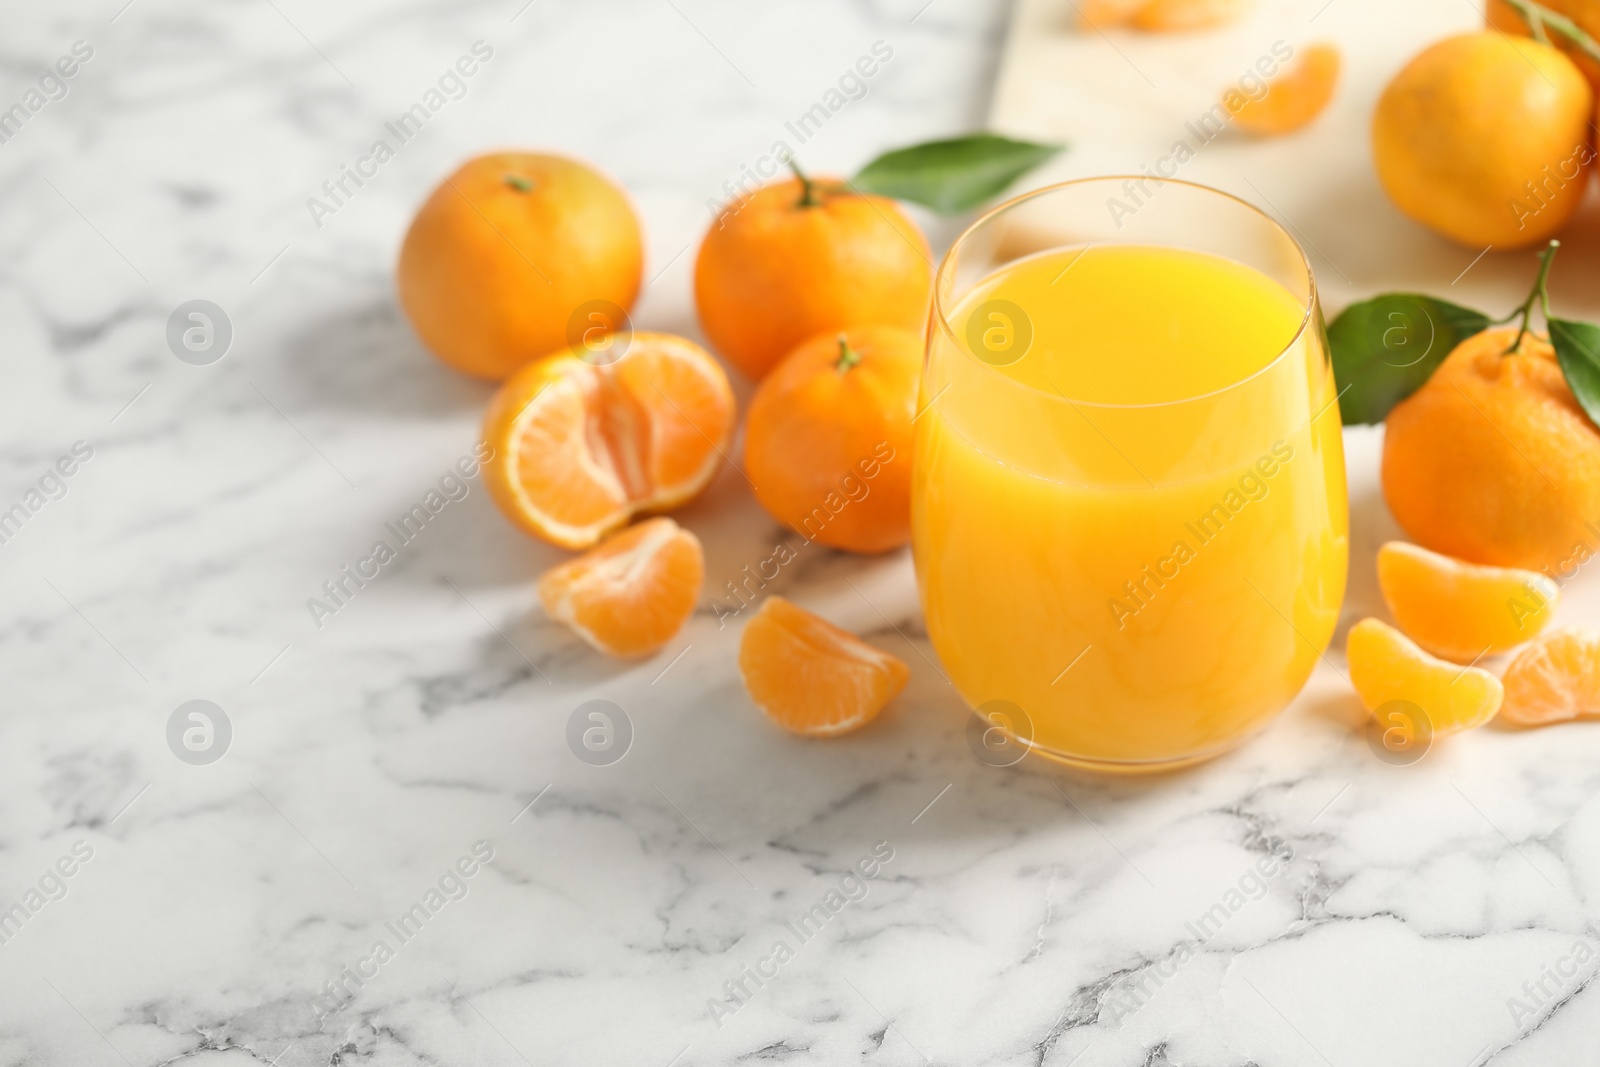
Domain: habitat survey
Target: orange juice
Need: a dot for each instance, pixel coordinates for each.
(1135, 531)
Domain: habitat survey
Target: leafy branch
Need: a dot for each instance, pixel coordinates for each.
(1540, 292)
(1385, 348)
(1537, 16)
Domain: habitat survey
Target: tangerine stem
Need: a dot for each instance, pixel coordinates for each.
(808, 188)
(1540, 292)
(848, 357)
(1537, 16)
(1533, 16)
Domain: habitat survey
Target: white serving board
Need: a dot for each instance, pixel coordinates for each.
(1122, 98)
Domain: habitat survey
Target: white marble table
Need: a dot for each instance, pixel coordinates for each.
(402, 773)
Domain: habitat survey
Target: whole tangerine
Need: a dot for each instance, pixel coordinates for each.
(518, 255)
(802, 257)
(1484, 138)
(828, 440)
(1492, 460)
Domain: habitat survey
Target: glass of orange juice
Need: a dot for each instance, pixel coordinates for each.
(1129, 513)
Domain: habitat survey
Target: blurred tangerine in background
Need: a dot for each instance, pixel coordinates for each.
(1484, 138)
(504, 258)
(1161, 16)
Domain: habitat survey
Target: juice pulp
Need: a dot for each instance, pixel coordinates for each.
(1137, 532)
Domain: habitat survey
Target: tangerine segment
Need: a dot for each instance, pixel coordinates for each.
(1162, 16)
(632, 594)
(1386, 665)
(1554, 679)
(581, 448)
(1462, 611)
(1292, 99)
(811, 677)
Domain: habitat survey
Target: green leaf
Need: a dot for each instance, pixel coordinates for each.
(1577, 347)
(953, 176)
(1384, 348)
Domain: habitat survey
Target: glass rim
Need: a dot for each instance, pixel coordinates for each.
(947, 263)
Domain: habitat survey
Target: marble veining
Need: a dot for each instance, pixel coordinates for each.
(1296, 902)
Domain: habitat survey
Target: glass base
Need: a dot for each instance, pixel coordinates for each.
(1122, 768)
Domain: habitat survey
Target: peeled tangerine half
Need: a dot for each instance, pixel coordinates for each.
(1385, 665)
(1462, 611)
(811, 677)
(1554, 679)
(582, 446)
(632, 594)
(1292, 99)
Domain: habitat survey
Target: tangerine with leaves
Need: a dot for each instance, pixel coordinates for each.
(1491, 448)
(827, 443)
(581, 448)
(501, 257)
(1493, 460)
(806, 256)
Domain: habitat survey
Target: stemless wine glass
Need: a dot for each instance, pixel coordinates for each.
(1129, 510)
